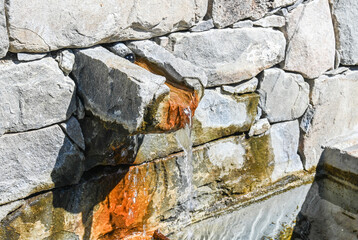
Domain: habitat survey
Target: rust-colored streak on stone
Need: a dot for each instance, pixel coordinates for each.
(125, 211)
(174, 110)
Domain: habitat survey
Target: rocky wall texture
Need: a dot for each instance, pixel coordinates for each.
(155, 119)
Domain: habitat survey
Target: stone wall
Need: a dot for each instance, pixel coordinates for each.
(195, 118)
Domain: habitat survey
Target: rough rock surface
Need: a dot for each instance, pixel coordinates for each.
(334, 100)
(282, 3)
(243, 24)
(34, 95)
(227, 12)
(346, 30)
(203, 26)
(4, 39)
(108, 84)
(271, 21)
(311, 47)
(259, 127)
(83, 24)
(36, 161)
(284, 140)
(241, 88)
(73, 129)
(66, 60)
(230, 55)
(283, 96)
(26, 57)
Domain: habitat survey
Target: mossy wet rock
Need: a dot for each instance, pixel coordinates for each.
(4, 39)
(230, 55)
(108, 84)
(84, 24)
(283, 96)
(334, 100)
(311, 47)
(35, 161)
(34, 95)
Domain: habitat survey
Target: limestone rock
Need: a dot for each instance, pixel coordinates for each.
(73, 129)
(259, 127)
(66, 60)
(34, 95)
(243, 24)
(225, 13)
(108, 84)
(71, 24)
(283, 96)
(282, 3)
(217, 116)
(307, 119)
(122, 50)
(26, 57)
(334, 100)
(36, 161)
(230, 55)
(311, 47)
(241, 88)
(284, 140)
(271, 21)
(203, 26)
(4, 38)
(346, 30)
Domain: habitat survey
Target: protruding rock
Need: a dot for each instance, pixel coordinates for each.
(334, 100)
(34, 95)
(108, 84)
(243, 24)
(241, 88)
(284, 140)
(26, 57)
(259, 127)
(73, 129)
(346, 30)
(84, 24)
(271, 21)
(36, 161)
(66, 60)
(230, 55)
(203, 26)
(122, 50)
(227, 12)
(4, 38)
(283, 96)
(311, 47)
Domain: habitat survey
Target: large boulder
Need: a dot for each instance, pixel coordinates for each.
(87, 23)
(311, 47)
(36, 161)
(115, 89)
(283, 96)
(346, 30)
(4, 38)
(34, 95)
(334, 101)
(230, 55)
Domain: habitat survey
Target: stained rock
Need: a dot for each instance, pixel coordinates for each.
(26, 57)
(284, 140)
(283, 96)
(334, 100)
(73, 129)
(270, 21)
(230, 55)
(225, 13)
(34, 95)
(346, 30)
(4, 38)
(66, 60)
(10, 207)
(203, 26)
(247, 87)
(311, 47)
(36, 161)
(259, 127)
(84, 24)
(108, 84)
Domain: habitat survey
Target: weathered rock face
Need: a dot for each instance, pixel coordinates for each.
(225, 13)
(333, 99)
(346, 34)
(283, 96)
(271, 21)
(108, 84)
(311, 47)
(83, 24)
(34, 95)
(241, 88)
(230, 55)
(4, 39)
(36, 161)
(282, 3)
